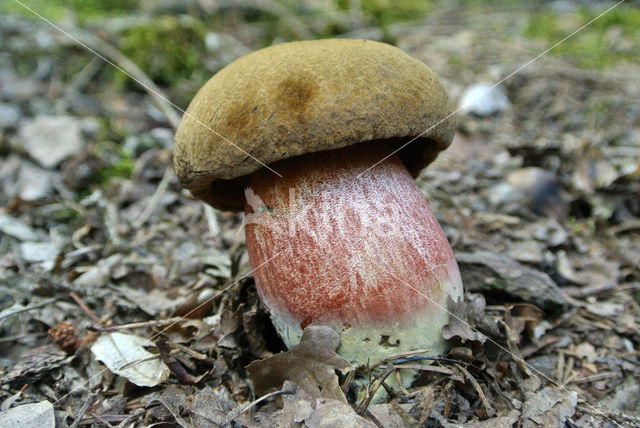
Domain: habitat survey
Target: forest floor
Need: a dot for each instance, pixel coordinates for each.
(126, 302)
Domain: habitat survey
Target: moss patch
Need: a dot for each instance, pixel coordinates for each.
(167, 48)
(120, 164)
(57, 9)
(612, 38)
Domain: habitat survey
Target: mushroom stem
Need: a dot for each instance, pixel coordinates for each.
(361, 253)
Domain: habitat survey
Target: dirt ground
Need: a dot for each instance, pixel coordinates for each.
(126, 302)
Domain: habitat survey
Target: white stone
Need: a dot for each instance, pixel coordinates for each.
(34, 252)
(14, 227)
(51, 139)
(483, 99)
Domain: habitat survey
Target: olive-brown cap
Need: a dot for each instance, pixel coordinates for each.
(303, 97)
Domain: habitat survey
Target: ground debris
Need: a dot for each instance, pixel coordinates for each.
(311, 364)
(539, 200)
(497, 273)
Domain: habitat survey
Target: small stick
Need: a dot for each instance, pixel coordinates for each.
(151, 323)
(87, 310)
(362, 407)
(434, 369)
(30, 308)
(155, 199)
(348, 380)
(241, 409)
(83, 410)
(398, 356)
(489, 412)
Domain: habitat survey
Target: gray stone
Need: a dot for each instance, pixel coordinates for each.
(51, 139)
(34, 183)
(9, 115)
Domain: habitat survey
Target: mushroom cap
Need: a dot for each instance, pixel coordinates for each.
(303, 97)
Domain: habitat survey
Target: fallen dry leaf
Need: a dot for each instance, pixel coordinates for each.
(29, 415)
(195, 409)
(311, 364)
(549, 407)
(36, 363)
(124, 355)
(459, 327)
(492, 272)
(333, 413)
(497, 422)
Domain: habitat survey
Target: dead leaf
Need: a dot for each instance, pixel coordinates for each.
(153, 302)
(333, 413)
(124, 355)
(37, 362)
(311, 364)
(492, 272)
(29, 415)
(195, 409)
(548, 408)
(497, 422)
(253, 327)
(521, 315)
(98, 275)
(587, 271)
(586, 351)
(211, 406)
(459, 327)
(605, 309)
(393, 415)
(298, 406)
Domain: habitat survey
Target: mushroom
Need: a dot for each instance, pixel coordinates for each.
(338, 232)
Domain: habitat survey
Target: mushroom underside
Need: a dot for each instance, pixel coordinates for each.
(228, 194)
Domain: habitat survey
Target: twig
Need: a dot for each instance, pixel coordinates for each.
(176, 367)
(152, 323)
(362, 407)
(594, 377)
(241, 409)
(103, 420)
(348, 381)
(397, 357)
(489, 412)
(212, 220)
(610, 414)
(373, 419)
(87, 310)
(81, 78)
(6, 339)
(83, 410)
(155, 199)
(434, 369)
(30, 308)
(111, 222)
(195, 354)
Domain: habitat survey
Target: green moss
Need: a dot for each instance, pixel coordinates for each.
(63, 215)
(57, 9)
(120, 164)
(167, 48)
(498, 284)
(385, 12)
(612, 38)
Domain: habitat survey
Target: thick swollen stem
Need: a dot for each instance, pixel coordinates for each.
(360, 253)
